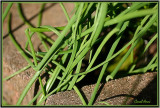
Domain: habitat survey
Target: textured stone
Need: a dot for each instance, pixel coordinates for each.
(122, 91)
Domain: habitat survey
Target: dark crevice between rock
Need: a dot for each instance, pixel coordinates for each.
(37, 84)
(148, 96)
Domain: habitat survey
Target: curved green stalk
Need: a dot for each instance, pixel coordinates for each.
(101, 19)
(150, 42)
(105, 65)
(65, 12)
(35, 98)
(58, 87)
(120, 18)
(56, 63)
(73, 81)
(15, 73)
(39, 23)
(16, 44)
(34, 58)
(151, 62)
(22, 16)
(133, 39)
(143, 70)
(78, 33)
(28, 87)
(98, 30)
(117, 19)
(40, 15)
(131, 15)
(74, 46)
(54, 76)
(28, 23)
(139, 35)
(6, 11)
(57, 42)
(31, 46)
(80, 95)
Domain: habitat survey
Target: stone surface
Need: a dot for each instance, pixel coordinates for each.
(128, 90)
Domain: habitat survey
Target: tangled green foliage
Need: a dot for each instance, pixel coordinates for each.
(87, 29)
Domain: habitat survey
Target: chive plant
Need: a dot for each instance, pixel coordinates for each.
(83, 31)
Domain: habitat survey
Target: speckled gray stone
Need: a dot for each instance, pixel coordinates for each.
(120, 91)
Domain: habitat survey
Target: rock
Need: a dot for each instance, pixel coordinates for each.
(123, 91)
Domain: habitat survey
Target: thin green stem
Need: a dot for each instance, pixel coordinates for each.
(80, 95)
(40, 15)
(131, 15)
(56, 44)
(16, 44)
(15, 73)
(65, 81)
(39, 23)
(143, 70)
(135, 38)
(22, 15)
(139, 35)
(151, 62)
(41, 84)
(29, 24)
(65, 12)
(35, 98)
(150, 42)
(72, 83)
(31, 46)
(6, 11)
(105, 65)
(28, 87)
(34, 58)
